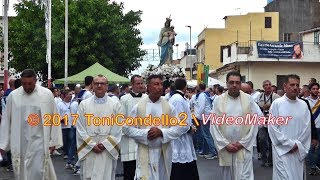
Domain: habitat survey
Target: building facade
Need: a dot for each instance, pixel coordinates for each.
(311, 36)
(295, 16)
(256, 69)
(241, 28)
(188, 63)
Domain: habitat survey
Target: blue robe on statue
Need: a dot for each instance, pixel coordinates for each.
(165, 45)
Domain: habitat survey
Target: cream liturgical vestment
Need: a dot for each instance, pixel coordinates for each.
(29, 145)
(99, 166)
(238, 165)
(154, 157)
(287, 165)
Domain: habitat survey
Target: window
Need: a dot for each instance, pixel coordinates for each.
(280, 81)
(316, 37)
(243, 79)
(286, 37)
(221, 53)
(267, 22)
(200, 55)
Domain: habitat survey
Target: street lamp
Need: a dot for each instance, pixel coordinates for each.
(190, 40)
(177, 45)
(189, 53)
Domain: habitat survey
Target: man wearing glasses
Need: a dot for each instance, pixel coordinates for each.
(98, 143)
(234, 141)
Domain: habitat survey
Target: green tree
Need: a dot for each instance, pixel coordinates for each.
(99, 31)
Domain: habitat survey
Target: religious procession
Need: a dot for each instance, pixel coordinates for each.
(158, 151)
(90, 103)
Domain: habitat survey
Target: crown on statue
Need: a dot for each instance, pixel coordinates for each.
(168, 19)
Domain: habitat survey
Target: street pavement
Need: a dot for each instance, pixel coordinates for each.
(208, 170)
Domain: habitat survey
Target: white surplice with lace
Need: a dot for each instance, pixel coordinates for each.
(182, 148)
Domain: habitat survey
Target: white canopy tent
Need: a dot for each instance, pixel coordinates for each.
(192, 83)
(211, 83)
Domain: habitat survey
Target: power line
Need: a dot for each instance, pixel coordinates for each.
(151, 55)
(154, 55)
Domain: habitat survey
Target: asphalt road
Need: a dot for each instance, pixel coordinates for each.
(208, 170)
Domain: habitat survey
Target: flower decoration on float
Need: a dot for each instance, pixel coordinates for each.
(166, 70)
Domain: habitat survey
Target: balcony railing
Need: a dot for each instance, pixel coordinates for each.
(243, 44)
(243, 48)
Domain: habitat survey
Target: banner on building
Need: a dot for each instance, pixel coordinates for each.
(280, 50)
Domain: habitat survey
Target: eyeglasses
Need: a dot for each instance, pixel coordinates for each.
(100, 83)
(234, 82)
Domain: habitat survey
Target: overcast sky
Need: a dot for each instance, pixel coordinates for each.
(196, 13)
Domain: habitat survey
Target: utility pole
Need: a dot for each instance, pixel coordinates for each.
(177, 45)
(250, 31)
(47, 4)
(66, 45)
(237, 35)
(189, 53)
(5, 42)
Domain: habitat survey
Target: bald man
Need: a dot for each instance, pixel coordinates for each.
(245, 88)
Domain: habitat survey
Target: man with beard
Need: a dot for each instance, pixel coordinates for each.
(25, 126)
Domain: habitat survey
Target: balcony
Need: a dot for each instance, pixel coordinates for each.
(244, 52)
(243, 48)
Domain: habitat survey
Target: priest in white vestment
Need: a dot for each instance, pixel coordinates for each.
(98, 143)
(128, 146)
(184, 158)
(154, 156)
(87, 91)
(234, 142)
(27, 129)
(291, 141)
